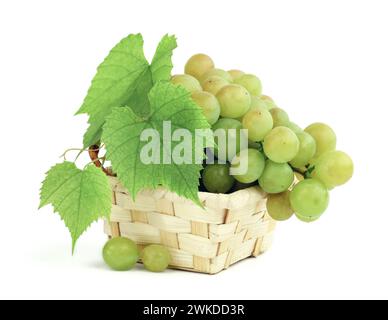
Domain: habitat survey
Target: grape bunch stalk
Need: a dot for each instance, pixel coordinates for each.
(296, 167)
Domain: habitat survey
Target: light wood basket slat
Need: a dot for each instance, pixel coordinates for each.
(228, 228)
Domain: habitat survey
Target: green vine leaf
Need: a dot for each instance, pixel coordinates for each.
(80, 197)
(124, 78)
(123, 130)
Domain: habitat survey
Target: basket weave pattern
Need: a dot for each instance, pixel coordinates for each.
(228, 229)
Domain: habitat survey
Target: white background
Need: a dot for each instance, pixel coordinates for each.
(321, 61)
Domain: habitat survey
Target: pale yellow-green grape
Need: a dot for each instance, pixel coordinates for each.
(270, 104)
(156, 258)
(198, 65)
(280, 117)
(234, 101)
(279, 207)
(294, 127)
(251, 83)
(213, 84)
(257, 102)
(188, 82)
(230, 129)
(333, 168)
(307, 149)
(324, 137)
(209, 104)
(281, 145)
(255, 162)
(217, 72)
(120, 254)
(309, 199)
(258, 122)
(235, 74)
(276, 177)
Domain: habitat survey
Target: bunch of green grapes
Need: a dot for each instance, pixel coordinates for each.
(296, 167)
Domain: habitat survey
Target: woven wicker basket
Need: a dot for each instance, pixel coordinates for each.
(230, 227)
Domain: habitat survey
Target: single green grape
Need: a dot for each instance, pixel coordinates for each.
(324, 137)
(309, 198)
(258, 122)
(254, 162)
(156, 258)
(270, 104)
(251, 83)
(279, 207)
(276, 177)
(257, 102)
(217, 179)
(307, 149)
(235, 74)
(281, 145)
(280, 117)
(333, 168)
(198, 65)
(294, 127)
(228, 138)
(188, 82)
(120, 254)
(234, 101)
(209, 104)
(214, 84)
(217, 72)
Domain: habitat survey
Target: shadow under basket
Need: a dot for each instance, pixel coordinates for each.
(230, 227)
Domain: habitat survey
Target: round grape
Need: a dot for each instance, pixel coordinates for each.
(209, 104)
(258, 122)
(231, 130)
(156, 258)
(235, 74)
(309, 198)
(251, 83)
(307, 149)
(280, 117)
(276, 177)
(294, 127)
(333, 168)
(216, 178)
(217, 72)
(255, 165)
(324, 136)
(120, 254)
(198, 65)
(188, 82)
(214, 84)
(234, 101)
(281, 145)
(279, 207)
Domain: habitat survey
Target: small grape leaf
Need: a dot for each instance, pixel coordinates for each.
(125, 78)
(122, 133)
(80, 197)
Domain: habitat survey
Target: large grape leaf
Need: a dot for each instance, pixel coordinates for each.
(124, 78)
(79, 196)
(123, 130)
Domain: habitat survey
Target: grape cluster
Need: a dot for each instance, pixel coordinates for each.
(296, 167)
